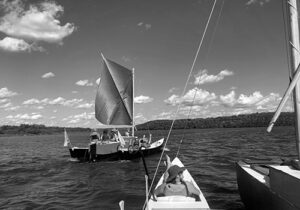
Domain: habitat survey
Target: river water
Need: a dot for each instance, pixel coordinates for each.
(36, 172)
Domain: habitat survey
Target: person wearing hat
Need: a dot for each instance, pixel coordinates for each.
(114, 134)
(174, 184)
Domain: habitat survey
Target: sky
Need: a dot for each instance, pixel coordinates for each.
(50, 58)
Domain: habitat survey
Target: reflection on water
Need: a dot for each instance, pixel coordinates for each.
(37, 172)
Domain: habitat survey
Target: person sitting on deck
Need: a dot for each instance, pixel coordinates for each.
(173, 183)
(105, 136)
(114, 135)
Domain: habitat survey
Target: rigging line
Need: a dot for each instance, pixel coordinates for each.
(213, 34)
(215, 29)
(190, 73)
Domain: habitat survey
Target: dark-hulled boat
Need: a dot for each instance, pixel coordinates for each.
(114, 107)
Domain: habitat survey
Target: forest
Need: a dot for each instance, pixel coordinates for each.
(238, 121)
(35, 129)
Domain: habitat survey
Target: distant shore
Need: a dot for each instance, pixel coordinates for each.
(237, 121)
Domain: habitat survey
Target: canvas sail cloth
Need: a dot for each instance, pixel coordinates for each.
(114, 97)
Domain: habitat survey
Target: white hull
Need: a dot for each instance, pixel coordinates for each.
(266, 187)
(178, 202)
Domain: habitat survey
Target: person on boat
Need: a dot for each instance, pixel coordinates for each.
(105, 136)
(114, 135)
(127, 134)
(94, 136)
(174, 184)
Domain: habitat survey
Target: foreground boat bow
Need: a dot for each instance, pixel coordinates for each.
(178, 202)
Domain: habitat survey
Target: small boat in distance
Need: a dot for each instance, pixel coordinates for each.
(114, 107)
(276, 186)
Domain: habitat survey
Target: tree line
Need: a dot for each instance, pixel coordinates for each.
(237, 121)
(36, 129)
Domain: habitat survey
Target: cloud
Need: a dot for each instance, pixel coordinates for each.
(173, 89)
(18, 45)
(57, 101)
(34, 23)
(260, 2)
(84, 83)
(73, 119)
(5, 100)
(202, 77)
(12, 108)
(194, 96)
(208, 104)
(142, 99)
(146, 26)
(6, 93)
(33, 116)
(7, 105)
(139, 118)
(85, 105)
(48, 75)
(164, 115)
(255, 101)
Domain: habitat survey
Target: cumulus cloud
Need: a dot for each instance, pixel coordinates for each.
(48, 75)
(84, 83)
(146, 26)
(4, 100)
(7, 105)
(26, 26)
(139, 118)
(173, 89)
(255, 101)
(73, 119)
(57, 101)
(18, 45)
(259, 2)
(32, 116)
(194, 96)
(206, 104)
(12, 108)
(142, 99)
(85, 105)
(202, 77)
(164, 115)
(6, 93)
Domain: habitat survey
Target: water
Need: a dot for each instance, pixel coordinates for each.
(37, 173)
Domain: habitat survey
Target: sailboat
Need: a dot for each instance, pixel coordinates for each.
(277, 186)
(114, 107)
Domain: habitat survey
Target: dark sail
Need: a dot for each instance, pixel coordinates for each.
(114, 97)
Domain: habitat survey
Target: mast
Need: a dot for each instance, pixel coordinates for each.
(293, 32)
(133, 102)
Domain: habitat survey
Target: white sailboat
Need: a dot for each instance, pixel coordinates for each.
(274, 186)
(114, 107)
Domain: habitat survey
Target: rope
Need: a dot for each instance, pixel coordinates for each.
(190, 73)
